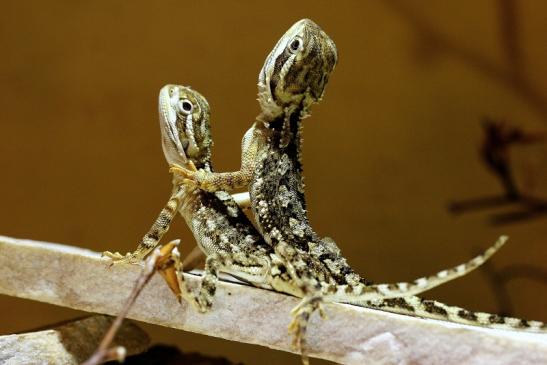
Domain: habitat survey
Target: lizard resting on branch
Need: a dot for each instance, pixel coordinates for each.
(222, 231)
(292, 79)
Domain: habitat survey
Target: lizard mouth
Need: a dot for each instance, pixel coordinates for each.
(168, 117)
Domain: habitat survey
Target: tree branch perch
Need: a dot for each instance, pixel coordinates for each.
(80, 279)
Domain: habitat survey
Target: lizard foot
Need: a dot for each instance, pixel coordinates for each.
(117, 258)
(298, 326)
(186, 175)
(190, 175)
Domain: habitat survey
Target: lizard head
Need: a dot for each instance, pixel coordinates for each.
(298, 67)
(184, 122)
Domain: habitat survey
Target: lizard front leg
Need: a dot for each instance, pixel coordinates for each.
(228, 181)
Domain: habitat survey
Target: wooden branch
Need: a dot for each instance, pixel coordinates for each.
(69, 343)
(80, 279)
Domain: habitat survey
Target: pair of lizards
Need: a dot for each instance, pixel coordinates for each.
(285, 253)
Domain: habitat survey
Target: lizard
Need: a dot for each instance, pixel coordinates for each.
(292, 79)
(223, 232)
(221, 229)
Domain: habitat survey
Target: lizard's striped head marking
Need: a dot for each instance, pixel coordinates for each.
(297, 68)
(184, 121)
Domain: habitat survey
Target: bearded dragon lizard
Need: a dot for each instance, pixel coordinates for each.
(222, 231)
(292, 79)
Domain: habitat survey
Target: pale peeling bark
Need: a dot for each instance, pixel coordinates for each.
(80, 279)
(69, 343)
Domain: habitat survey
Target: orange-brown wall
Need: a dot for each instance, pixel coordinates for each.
(394, 140)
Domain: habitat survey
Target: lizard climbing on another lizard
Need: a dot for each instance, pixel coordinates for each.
(292, 79)
(222, 231)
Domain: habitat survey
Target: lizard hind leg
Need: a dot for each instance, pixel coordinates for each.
(300, 317)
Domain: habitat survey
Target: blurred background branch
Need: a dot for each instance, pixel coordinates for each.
(510, 74)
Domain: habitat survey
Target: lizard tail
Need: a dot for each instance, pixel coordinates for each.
(360, 293)
(425, 308)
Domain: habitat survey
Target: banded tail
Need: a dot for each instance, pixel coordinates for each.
(424, 308)
(361, 294)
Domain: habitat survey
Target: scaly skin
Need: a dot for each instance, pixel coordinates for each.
(292, 79)
(222, 231)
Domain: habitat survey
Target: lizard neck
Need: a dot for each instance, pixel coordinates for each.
(285, 130)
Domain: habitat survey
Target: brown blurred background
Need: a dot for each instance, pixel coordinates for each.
(395, 140)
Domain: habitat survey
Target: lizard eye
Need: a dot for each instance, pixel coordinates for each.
(185, 106)
(295, 45)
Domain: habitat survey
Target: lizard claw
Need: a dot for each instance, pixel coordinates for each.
(112, 255)
(117, 258)
(185, 174)
(322, 312)
(190, 175)
(181, 171)
(189, 182)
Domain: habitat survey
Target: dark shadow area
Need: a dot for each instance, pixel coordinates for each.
(81, 338)
(168, 355)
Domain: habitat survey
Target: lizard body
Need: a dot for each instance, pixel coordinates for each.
(219, 226)
(292, 79)
(223, 232)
